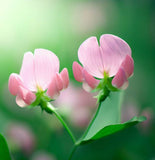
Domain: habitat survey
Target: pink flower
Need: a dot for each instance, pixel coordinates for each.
(39, 72)
(21, 136)
(112, 57)
(77, 105)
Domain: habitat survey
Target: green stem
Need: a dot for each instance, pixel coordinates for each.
(106, 94)
(52, 109)
(72, 152)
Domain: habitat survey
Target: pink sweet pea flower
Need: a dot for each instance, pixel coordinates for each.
(112, 57)
(39, 72)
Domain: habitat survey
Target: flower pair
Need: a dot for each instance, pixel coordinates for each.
(40, 72)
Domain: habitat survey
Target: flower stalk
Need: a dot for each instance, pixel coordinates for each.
(51, 108)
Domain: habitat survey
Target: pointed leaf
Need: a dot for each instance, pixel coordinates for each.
(107, 119)
(4, 151)
(111, 129)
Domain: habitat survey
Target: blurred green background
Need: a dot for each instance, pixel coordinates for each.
(61, 26)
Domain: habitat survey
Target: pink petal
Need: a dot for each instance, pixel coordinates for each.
(25, 97)
(91, 58)
(90, 80)
(78, 72)
(52, 90)
(120, 80)
(30, 97)
(14, 82)
(46, 65)
(114, 51)
(128, 65)
(59, 82)
(27, 71)
(65, 77)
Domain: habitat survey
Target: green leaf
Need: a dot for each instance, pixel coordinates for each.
(4, 151)
(111, 129)
(107, 119)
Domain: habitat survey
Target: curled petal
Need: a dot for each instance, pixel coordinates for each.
(25, 97)
(59, 82)
(90, 80)
(128, 65)
(27, 71)
(46, 64)
(78, 72)
(65, 77)
(30, 97)
(114, 51)
(20, 102)
(120, 80)
(90, 56)
(81, 75)
(14, 82)
(53, 90)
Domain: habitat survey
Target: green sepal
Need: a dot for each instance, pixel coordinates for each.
(38, 98)
(104, 88)
(41, 100)
(110, 86)
(41, 96)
